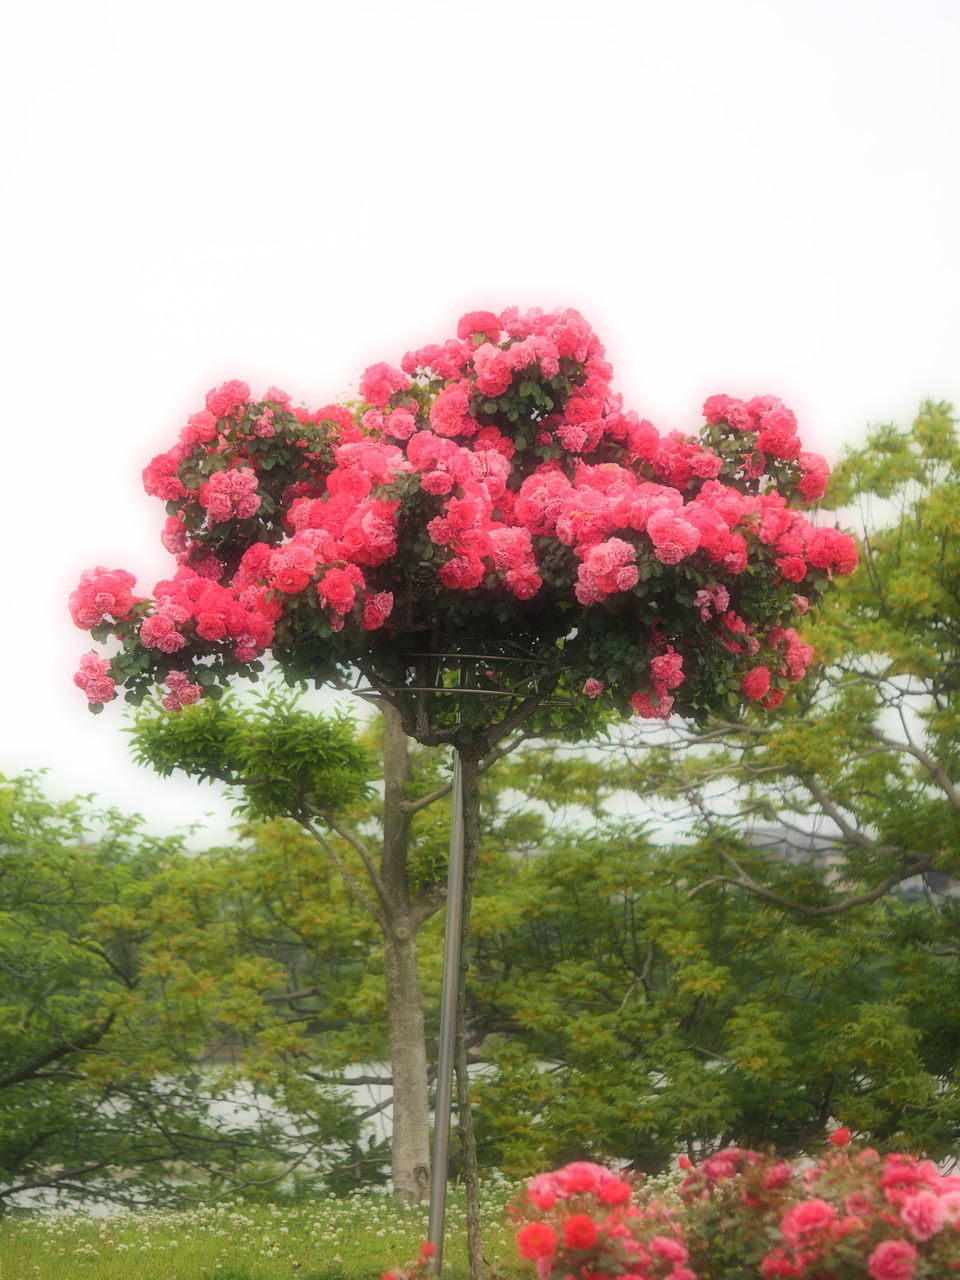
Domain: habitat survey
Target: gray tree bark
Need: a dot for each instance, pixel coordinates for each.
(410, 1157)
(410, 1162)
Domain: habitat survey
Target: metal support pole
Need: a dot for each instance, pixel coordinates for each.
(448, 1022)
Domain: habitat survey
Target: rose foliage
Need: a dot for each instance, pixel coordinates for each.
(491, 496)
(743, 1214)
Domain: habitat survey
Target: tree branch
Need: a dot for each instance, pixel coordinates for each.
(87, 1041)
(743, 881)
(349, 879)
(423, 802)
(932, 766)
(852, 835)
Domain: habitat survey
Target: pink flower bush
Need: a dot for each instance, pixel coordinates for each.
(494, 493)
(859, 1216)
(583, 1221)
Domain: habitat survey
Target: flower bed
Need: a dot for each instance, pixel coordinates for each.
(739, 1214)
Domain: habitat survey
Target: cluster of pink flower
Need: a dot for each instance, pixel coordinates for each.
(94, 678)
(182, 693)
(580, 1222)
(501, 462)
(230, 494)
(666, 672)
(102, 593)
(889, 1218)
(241, 617)
(862, 1216)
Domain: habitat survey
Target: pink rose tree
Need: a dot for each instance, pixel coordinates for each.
(490, 541)
(492, 515)
(856, 1215)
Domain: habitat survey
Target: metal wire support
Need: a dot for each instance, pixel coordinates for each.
(448, 1023)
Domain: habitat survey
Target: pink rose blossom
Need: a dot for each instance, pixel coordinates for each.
(160, 479)
(923, 1214)
(659, 709)
(756, 683)
(380, 381)
(102, 593)
(831, 549)
(493, 370)
(338, 588)
(666, 671)
(777, 1175)
(230, 495)
(400, 424)
(666, 1247)
(580, 1231)
(892, 1260)
(673, 539)
(715, 409)
(182, 692)
(201, 428)
(448, 413)
(723, 1164)
(806, 1220)
(815, 473)
(484, 322)
(227, 399)
(377, 609)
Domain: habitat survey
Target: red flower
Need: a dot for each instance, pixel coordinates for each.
(536, 1240)
(839, 1137)
(580, 1231)
(615, 1192)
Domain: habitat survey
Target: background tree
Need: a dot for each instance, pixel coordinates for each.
(865, 753)
(102, 1026)
(389, 853)
(628, 1001)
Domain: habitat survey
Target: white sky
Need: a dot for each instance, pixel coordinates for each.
(745, 197)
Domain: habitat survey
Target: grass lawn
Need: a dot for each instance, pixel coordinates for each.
(356, 1238)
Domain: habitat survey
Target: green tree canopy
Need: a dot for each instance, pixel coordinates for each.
(103, 1027)
(632, 1003)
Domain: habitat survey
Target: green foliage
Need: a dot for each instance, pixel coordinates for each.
(282, 755)
(105, 1012)
(633, 1013)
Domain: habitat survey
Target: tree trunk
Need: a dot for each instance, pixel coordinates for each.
(410, 1156)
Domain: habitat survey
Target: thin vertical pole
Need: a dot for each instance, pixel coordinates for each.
(448, 1022)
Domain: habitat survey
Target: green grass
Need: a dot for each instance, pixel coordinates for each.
(356, 1238)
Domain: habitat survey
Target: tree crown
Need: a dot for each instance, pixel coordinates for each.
(488, 519)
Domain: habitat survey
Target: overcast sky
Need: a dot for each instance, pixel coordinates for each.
(746, 197)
